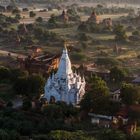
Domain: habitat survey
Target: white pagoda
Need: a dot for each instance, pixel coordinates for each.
(65, 85)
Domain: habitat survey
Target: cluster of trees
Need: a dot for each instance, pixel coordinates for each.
(44, 35)
(94, 28)
(120, 33)
(7, 21)
(32, 14)
(37, 122)
(63, 135)
(60, 111)
(108, 134)
(73, 14)
(23, 84)
(25, 35)
(130, 94)
(118, 30)
(54, 121)
(78, 56)
(15, 124)
(50, 1)
(30, 86)
(100, 10)
(118, 74)
(135, 37)
(42, 123)
(48, 125)
(97, 99)
(8, 8)
(59, 21)
(107, 61)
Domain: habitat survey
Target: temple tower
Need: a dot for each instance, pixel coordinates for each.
(65, 85)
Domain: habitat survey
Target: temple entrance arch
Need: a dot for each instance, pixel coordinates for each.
(52, 100)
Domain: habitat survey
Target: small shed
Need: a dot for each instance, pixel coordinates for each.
(101, 120)
(136, 80)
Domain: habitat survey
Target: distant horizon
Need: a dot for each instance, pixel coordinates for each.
(40, 4)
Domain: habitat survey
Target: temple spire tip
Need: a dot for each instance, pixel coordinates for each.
(65, 44)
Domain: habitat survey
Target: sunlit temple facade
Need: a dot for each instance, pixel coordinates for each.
(65, 85)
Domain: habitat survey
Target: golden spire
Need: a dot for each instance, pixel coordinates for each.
(65, 47)
(65, 44)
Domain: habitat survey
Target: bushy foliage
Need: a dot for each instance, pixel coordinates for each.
(32, 14)
(120, 33)
(108, 134)
(117, 74)
(59, 110)
(62, 135)
(107, 61)
(130, 94)
(96, 99)
(4, 73)
(91, 27)
(30, 86)
(78, 57)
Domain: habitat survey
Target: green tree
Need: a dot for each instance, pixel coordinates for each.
(38, 32)
(130, 94)
(68, 110)
(72, 11)
(4, 135)
(25, 128)
(96, 99)
(26, 104)
(108, 134)
(30, 86)
(66, 135)
(36, 85)
(32, 14)
(120, 33)
(40, 137)
(16, 11)
(78, 57)
(52, 21)
(39, 19)
(83, 37)
(17, 73)
(107, 61)
(18, 16)
(14, 135)
(137, 33)
(25, 9)
(84, 45)
(53, 111)
(4, 73)
(60, 110)
(117, 74)
(113, 107)
(21, 86)
(83, 27)
(30, 27)
(9, 104)
(100, 6)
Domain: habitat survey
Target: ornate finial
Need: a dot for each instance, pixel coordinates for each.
(65, 47)
(65, 44)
